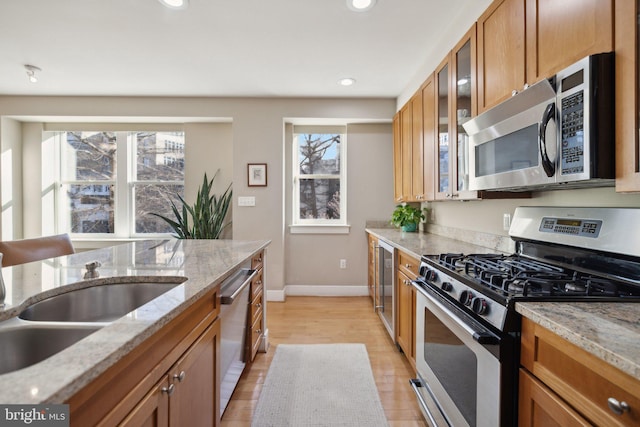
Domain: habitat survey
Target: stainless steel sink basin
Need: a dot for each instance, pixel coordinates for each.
(25, 345)
(100, 303)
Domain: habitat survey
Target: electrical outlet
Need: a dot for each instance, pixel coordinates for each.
(506, 221)
(343, 263)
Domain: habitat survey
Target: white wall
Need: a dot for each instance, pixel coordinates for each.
(257, 133)
(11, 172)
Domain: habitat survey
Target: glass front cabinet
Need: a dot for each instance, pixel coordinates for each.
(456, 103)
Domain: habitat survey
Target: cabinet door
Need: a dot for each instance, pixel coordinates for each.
(196, 398)
(373, 242)
(429, 137)
(397, 159)
(153, 409)
(627, 96)
(406, 138)
(464, 107)
(560, 33)
(541, 407)
(443, 151)
(404, 327)
(417, 155)
(501, 52)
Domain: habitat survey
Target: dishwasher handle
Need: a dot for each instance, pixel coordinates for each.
(227, 299)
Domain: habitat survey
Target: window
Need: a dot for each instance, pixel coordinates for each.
(111, 182)
(319, 176)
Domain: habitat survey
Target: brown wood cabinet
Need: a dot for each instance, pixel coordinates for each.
(407, 270)
(501, 52)
(255, 334)
(397, 159)
(521, 42)
(429, 137)
(560, 33)
(371, 273)
(571, 384)
(627, 96)
(409, 152)
(176, 366)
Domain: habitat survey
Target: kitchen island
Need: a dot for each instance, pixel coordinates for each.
(199, 266)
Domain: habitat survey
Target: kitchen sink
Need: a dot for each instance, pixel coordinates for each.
(24, 345)
(100, 303)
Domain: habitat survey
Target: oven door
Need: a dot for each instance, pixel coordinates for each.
(459, 372)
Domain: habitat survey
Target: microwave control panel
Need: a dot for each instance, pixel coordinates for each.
(572, 120)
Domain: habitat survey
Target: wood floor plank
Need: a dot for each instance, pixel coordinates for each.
(320, 320)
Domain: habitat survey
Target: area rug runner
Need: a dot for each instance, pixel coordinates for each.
(319, 385)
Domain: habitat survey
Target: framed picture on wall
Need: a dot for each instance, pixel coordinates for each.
(257, 174)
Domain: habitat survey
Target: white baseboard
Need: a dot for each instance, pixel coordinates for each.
(317, 291)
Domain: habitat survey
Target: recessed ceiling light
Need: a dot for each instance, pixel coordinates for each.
(348, 81)
(360, 5)
(175, 4)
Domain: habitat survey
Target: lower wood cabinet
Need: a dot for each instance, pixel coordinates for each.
(186, 395)
(407, 271)
(172, 378)
(562, 384)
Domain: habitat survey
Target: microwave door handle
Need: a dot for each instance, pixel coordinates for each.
(549, 114)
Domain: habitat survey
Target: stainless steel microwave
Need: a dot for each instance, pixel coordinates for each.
(558, 132)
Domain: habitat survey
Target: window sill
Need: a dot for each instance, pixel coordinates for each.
(319, 229)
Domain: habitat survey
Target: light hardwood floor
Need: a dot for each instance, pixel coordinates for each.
(311, 320)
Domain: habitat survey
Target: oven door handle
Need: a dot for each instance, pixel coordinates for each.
(480, 334)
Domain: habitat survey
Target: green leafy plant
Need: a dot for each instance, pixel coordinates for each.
(406, 216)
(205, 219)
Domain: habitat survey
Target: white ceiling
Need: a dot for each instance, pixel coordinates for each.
(263, 48)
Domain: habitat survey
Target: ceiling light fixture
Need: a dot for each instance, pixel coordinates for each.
(31, 72)
(348, 81)
(360, 5)
(175, 4)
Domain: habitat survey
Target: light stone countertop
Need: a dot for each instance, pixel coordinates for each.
(610, 331)
(204, 263)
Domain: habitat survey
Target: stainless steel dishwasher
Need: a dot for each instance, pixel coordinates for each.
(234, 304)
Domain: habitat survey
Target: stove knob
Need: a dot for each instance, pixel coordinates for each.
(430, 275)
(466, 297)
(446, 286)
(479, 305)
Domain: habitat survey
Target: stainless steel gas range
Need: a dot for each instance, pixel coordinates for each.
(467, 328)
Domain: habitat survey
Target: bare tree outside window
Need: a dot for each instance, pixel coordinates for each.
(319, 173)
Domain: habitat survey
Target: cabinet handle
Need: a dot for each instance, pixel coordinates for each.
(258, 331)
(169, 390)
(618, 407)
(258, 305)
(259, 282)
(514, 92)
(407, 265)
(179, 376)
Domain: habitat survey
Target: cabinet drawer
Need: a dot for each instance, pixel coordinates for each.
(581, 379)
(408, 264)
(256, 307)
(256, 285)
(256, 337)
(257, 260)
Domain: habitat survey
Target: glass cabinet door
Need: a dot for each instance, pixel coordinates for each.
(442, 113)
(463, 114)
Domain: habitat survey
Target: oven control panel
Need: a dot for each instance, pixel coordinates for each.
(464, 296)
(571, 226)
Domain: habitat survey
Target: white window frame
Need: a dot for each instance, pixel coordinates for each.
(318, 226)
(124, 215)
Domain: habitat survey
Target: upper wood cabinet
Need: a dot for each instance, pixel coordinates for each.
(397, 159)
(456, 92)
(553, 35)
(429, 136)
(560, 33)
(627, 96)
(501, 52)
(417, 149)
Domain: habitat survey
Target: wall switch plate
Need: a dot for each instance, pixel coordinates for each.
(343, 263)
(246, 201)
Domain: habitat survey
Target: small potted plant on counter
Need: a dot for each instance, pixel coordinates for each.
(407, 217)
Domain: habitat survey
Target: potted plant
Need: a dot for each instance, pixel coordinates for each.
(407, 217)
(205, 219)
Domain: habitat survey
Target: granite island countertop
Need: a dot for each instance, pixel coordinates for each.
(610, 331)
(203, 263)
